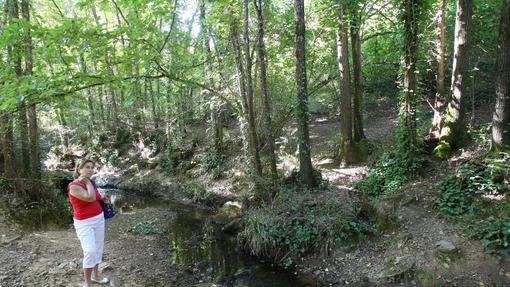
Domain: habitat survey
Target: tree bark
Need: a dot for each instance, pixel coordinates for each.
(305, 161)
(357, 101)
(214, 101)
(347, 154)
(408, 105)
(33, 133)
(7, 142)
(261, 52)
(439, 103)
(453, 127)
(23, 136)
(501, 117)
(249, 90)
(244, 103)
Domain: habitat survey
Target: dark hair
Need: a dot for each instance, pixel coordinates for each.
(79, 165)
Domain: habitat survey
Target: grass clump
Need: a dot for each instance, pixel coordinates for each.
(146, 227)
(300, 221)
(214, 162)
(475, 197)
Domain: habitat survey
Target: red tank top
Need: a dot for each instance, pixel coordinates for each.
(83, 209)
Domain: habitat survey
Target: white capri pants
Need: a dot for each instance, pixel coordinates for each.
(90, 231)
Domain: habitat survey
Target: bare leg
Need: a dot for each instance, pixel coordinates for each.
(97, 277)
(87, 273)
(95, 272)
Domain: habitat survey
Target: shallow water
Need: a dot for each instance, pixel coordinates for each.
(197, 241)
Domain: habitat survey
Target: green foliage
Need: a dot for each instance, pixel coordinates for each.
(198, 192)
(393, 168)
(52, 208)
(471, 182)
(213, 162)
(474, 197)
(495, 237)
(168, 161)
(146, 227)
(386, 175)
(299, 221)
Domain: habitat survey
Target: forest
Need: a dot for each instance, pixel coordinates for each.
(259, 142)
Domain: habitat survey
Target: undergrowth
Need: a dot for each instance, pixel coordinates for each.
(299, 221)
(392, 169)
(146, 227)
(48, 207)
(198, 193)
(475, 197)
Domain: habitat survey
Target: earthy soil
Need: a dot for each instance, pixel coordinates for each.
(53, 257)
(405, 255)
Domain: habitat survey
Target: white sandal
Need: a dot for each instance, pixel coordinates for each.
(102, 281)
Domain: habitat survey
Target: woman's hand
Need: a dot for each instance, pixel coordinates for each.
(106, 198)
(83, 179)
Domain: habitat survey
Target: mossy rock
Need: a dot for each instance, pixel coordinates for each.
(442, 151)
(398, 268)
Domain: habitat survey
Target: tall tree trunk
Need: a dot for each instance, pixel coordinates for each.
(214, 101)
(25, 149)
(408, 108)
(155, 118)
(348, 153)
(357, 101)
(90, 103)
(245, 119)
(32, 165)
(305, 161)
(7, 142)
(501, 117)
(261, 52)
(249, 90)
(111, 91)
(14, 60)
(453, 127)
(439, 102)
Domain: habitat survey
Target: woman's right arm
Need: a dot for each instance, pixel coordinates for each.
(80, 193)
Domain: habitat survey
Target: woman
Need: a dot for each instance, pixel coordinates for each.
(88, 220)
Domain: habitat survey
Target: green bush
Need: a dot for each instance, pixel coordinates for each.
(52, 208)
(299, 221)
(495, 237)
(168, 161)
(465, 197)
(386, 175)
(214, 162)
(472, 180)
(393, 168)
(146, 227)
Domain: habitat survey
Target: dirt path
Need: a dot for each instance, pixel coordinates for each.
(53, 258)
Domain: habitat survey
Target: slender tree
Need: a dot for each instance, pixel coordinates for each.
(215, 103)
(453, 127)
(501, 117)
(408, 105)
(245, 118)
(33, 131)
(348, 152)
(305, 161)
(261, 52)
(357, 100)
(439, 102)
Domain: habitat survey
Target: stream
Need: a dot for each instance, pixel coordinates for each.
(196, 240)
